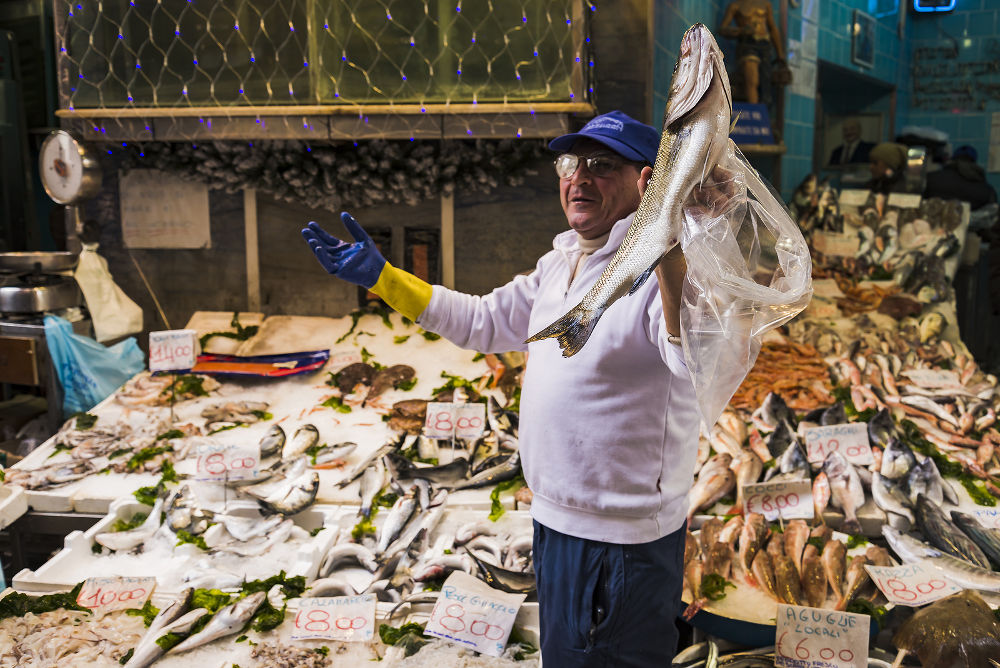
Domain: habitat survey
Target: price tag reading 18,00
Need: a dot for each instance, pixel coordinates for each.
(450, 420)
(115, 593)
(345, 618)
(227, 461)
(850, 440)
(912, 584)
(172, 350)
(813, 638)
(471, 613)
(787, 500)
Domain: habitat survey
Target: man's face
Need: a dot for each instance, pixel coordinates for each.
(593, 204)
(851, 130)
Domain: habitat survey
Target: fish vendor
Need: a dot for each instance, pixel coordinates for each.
(608, 437)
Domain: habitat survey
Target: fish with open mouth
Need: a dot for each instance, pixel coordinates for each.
(695, 133)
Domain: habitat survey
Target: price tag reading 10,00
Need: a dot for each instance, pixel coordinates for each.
(115, 593)
(344, 618)
(814, 638)
(227, 461)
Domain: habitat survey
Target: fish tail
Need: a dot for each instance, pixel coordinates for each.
(642, 279)
(572, 330)
(693, 608)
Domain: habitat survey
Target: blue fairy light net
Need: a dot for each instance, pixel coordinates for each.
(163, 54)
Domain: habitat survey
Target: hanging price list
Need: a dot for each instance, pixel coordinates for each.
(222, 461)
(344, 618)
(115, 593)
(911, 584)
(850, 440)
(471, 613)
(787, 500)
(813, 638)
(451, 420)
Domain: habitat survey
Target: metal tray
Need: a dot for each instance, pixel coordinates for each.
(48, 262)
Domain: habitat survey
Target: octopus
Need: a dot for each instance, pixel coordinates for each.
(48, 639)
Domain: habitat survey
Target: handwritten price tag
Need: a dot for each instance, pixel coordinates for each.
(813, 638)
(344, 618)
(904, 200)
(172, 350)
(471, 613)
(850, 440)
(853, 197)
(788, 500)
(115, 593)
(911, 584)
(339, 360)
(988, 517)
(227, 461)
(448, 420)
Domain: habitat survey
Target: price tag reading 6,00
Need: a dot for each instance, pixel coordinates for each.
(814, 638)
(222, 462)
(115, 593)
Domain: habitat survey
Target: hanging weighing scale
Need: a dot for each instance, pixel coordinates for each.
(70, 173)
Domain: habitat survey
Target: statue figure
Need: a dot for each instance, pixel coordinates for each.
(758, 43)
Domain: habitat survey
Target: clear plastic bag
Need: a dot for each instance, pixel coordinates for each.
(88, 371)
(748, 271)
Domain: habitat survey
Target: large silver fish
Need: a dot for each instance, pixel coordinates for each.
(695, 133)
(226, 621)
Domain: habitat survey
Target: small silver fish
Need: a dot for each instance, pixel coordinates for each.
(226, 621)
(304, 438)
(399, 517)
(347, 554)
(273, 441)
(890, 498)
(372, 482)
(126, 540)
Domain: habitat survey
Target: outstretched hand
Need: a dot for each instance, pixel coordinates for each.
(360, 263)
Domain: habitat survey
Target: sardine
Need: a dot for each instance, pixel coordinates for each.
(786, 581)
(227, 621)
(845, 489)
(304, 438)
(897, 459)
(890, 498)
(813, 581)
(755, 532)
(491, 476)
(694, 136)
(127, 540)
(944, 535)
(959, 571)
(834, 559)
(986, 538)
(372, 482)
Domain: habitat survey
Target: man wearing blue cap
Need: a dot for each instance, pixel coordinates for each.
(608, 437)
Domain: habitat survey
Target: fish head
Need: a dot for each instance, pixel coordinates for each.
(699, 63)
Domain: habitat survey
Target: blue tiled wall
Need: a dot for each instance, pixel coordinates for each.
(974, 28)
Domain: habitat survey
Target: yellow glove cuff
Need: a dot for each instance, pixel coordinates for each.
(403, 291)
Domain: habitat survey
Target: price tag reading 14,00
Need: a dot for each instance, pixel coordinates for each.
(227, 461)
(115, 593)
(814, 638)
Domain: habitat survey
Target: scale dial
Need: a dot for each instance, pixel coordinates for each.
(70, 171)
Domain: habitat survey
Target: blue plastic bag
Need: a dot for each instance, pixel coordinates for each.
(89, 371)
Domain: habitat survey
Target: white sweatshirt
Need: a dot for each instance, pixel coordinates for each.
(608, 437)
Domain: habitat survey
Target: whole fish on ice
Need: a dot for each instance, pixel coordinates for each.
(695, 133)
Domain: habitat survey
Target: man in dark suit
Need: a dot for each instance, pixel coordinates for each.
(854, 149)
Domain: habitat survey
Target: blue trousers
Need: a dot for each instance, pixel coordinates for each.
(604, 604)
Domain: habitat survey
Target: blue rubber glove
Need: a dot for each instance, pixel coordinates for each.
(359, 263)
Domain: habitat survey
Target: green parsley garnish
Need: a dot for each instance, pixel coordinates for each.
(185, 537)
(337, 404)
(713, 586)
(400, 339)
(85, 421)
(496, 507)
(241, 334)
(148, 612)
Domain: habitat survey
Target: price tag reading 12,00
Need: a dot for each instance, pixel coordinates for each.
(850, 440)
(814, 638)
(115, 593)
(227, 461)
(787, 500)
(344, 618)
(450, 420)
(471, 613)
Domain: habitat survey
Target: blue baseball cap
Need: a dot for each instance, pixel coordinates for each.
(618, 131)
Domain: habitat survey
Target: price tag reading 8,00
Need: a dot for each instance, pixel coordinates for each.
(814, 638)
(227, 461)
(450, 420)
(344, 618)
(787, 500)
(115, 593)
(472, 614)
(912, 584)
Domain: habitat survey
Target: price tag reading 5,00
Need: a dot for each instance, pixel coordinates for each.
(232, 461)
(814, 638)
(345, 618)
(115, 593)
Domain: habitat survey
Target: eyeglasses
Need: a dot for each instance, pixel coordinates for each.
(602, 164)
